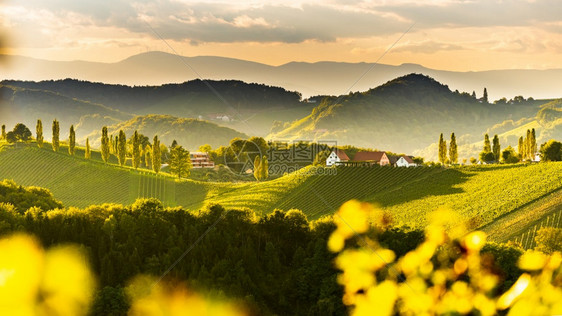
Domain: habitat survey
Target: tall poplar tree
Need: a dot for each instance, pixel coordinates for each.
(56, 130)
(148, 156)
(71, 140)
(111, 145)
(136, 150)
(496, 147)
(264, 168)
(533, 144)
(257, 170)
(453, 154)
(104, 145)
(121, 147)
(487, 148)
(485, 96)
(442, 149)
(156, 156)
(521, 149)
(39, 132)
(88, 151)
(3, 137)
(528, 145)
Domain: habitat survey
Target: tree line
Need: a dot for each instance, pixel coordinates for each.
(277, 263)
(137, 149)
(492, 153)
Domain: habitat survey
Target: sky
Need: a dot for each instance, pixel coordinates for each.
(456, 35)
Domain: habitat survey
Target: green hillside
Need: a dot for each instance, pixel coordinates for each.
(403, 115)
(482, 193)
(78, 182)
(190, 133)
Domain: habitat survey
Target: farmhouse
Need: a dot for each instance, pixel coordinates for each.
(371, 158)
(201, 160)
(405, 161)
(337, 157)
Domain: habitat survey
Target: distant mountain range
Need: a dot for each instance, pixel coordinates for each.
(320, 78)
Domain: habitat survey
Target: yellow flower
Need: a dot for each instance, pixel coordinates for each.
(514, 292)
(378, 301)
(474, 241)
(532, 260)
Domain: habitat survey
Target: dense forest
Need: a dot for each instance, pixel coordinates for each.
(275, 264)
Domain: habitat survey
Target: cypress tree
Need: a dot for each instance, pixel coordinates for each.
(264, 168)
(39, 131)
(56, 129)
(88, 152)
(156, 156)
(257, 171)
(3, 137)
(453, 154)
(474, 94)
(496, 148)
(485, 96)
(136, 150)
(111, 145)
(121, 147)
(71, 141)
(487, 148)
(528, 145)
(442, 149)
(533, 144)
(521, 149)
(104, 145)
(148, 156)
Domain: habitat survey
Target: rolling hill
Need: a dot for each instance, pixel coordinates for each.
(481, 194)
(190, 133)
(403, 115)
(248, 107)
(25, 105)
(319, 78)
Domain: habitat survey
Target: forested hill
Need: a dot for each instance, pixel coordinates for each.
(190, 133)
(195, 96)
(403, 115)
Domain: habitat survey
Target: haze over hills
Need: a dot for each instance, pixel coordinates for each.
(320, 78)
(403, 115)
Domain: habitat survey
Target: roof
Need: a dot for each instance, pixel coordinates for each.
(408, 159)
(341, 154)
(369, 156)
(393, 159)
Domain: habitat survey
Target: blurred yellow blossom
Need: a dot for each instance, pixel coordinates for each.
(445, 274)
(352, 218)
(34, 282)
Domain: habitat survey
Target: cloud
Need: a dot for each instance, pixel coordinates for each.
(427, 47)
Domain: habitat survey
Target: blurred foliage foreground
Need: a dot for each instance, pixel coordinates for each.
(446, 274)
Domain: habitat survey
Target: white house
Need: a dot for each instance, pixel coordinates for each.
(405, 161)
(336, 157)
(537, 157)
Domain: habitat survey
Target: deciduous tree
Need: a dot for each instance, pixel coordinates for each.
(551, 151)
(180, 164)
(21, 133)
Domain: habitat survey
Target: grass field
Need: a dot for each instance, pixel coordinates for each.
(509, 193)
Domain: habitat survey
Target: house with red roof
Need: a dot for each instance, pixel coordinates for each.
(371, 158)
